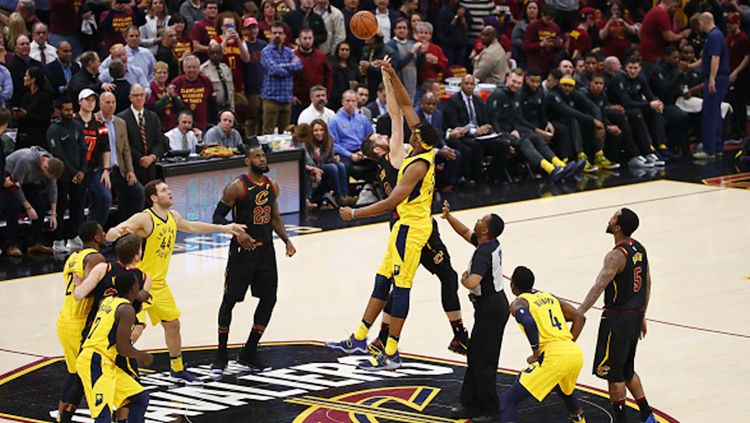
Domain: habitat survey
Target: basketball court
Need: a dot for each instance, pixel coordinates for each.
(691, 362)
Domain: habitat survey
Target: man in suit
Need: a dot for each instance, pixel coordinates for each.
(465, 119)
(447, 158)
(147, 142)
(122, 175)
(61, 71)
(377, 107)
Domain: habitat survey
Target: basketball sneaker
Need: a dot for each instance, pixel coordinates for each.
(185, 377)
(650, 419)
(578, 418)
(590, 168)
(248, 361)
(376, 347)
(381, 362)
(605, 163)
(349, 345)
(460, 343)
(218, 366)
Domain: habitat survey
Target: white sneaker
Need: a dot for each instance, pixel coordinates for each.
(639, 162)
(74, 244)
(58, 247)
(366, 196)
(655, 160)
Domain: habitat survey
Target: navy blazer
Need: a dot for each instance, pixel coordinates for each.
(56, 76)
(457, 115)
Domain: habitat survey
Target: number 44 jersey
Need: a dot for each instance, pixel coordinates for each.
(254, 209)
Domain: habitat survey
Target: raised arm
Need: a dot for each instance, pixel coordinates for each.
(573, 315)
(402, 97)
(456, 224)
(139, 224)
(614, 262)
(396, 141)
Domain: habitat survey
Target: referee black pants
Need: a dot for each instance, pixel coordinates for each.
(479, 390)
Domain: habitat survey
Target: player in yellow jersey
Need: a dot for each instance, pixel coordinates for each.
(72, 318)
(103, 381)
(412, 199)
(556, 360)
(158, 225)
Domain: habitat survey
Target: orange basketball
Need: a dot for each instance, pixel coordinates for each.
(364, 25)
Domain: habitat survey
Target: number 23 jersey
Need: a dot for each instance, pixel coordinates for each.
(254, 209)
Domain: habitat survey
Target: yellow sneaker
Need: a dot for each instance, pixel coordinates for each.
(605, 163)
(589, 168)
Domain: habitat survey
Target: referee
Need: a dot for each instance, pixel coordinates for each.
(484, 280)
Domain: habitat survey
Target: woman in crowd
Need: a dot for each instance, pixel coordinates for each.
(530, 14)
(157, 19)
(344, 74)
(268, 16)
(184, 44)
(617, 33)
(163, 99)
(16, 27)
(324, 166)
(34, 113)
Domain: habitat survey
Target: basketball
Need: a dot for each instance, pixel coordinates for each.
(364, 25)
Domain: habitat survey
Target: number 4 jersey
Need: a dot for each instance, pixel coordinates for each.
(254, 209)
(549, 318)
(627, 291)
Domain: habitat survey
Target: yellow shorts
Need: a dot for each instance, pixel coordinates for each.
(106, 386)
(561, 365)
(161, 307)
(69, 333)
(404, 252)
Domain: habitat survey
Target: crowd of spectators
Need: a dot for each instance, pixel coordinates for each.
(98, 91)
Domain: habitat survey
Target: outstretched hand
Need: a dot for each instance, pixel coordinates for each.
(446, 209)
(385, 65)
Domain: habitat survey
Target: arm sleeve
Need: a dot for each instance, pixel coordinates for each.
(220, 214)
(524, 318)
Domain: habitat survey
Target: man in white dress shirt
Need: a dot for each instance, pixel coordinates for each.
(139, 56)
(40, 50)
(184, 136)
(133, 74)
(317, 108)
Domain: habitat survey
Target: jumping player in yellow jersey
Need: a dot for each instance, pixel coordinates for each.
(556, 360)
(158, 225)
(412, 199)
(103, 381)
(73, 314)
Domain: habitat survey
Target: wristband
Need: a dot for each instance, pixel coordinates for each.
(354, 216)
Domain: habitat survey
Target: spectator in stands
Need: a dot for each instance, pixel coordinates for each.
(327, 166)
(224, 133)
(448, 159)
(98, 179)
(147, 143)
(738, 44)
(269, 16)
(65, 24)
(435, 62)
(39, 49)
(235, 56)
(6, 86)
(157, 21)
(506, 117)
(714, 65)
(371, 76)
(466, 118)
(18, 64)
(112, 23)
(165, 53)
(666, 81)
(403, 53)
(122, 86)
(491, 64)
(542, 41)
(333, 20)
(220, 76)
(192, 11)
(14, 29)
(66, 138)
(530, 14)
(184, 44)
(386, 18)
(184, 136)
(164, 99)
(61, 71)
(579, 41)
(344, 74)
(566, 13)
(138, 56)
(253, 75)
(34, 172)
(317, 108)
(195, 90)
(304, 17)
(348, 129)
(34, 110)
(122, 174)
(656, 32)
(350, 8)
(409, 8)
(280, 65)
(134, 74)
(617, 32)
(204, 30)
(377, 107)
(454, 24)
(363, 97)
(316, 70)
(88, 77)
(566, 67)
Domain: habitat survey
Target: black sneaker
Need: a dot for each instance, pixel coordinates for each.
(250, 363)
(460, 343)
(218, 366)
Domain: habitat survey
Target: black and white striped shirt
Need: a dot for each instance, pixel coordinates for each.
(487, 261)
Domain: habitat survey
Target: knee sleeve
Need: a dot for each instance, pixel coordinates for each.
(388, 306)
(382, 287)
(72, 391)
(137, 407)
(449, 288)
(264, 310)
(225, 312)
(570, 401)
(400, 298)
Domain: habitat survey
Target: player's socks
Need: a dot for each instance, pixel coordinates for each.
(618, 411)
(458, 327)
(547, 166)
(643, 408)
(175, 364)
(557, 162)
(391, 347)
(67, 412)
(361, 333)
(223, 338)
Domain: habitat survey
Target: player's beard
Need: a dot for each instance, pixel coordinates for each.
(259, 170)
(609, 229)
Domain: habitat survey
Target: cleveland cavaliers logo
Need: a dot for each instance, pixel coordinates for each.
(261, 198)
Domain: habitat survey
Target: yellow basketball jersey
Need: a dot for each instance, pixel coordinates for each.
(417, 207)
(72, 308)
(549, 318)
(102, 337)
(158, 247)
